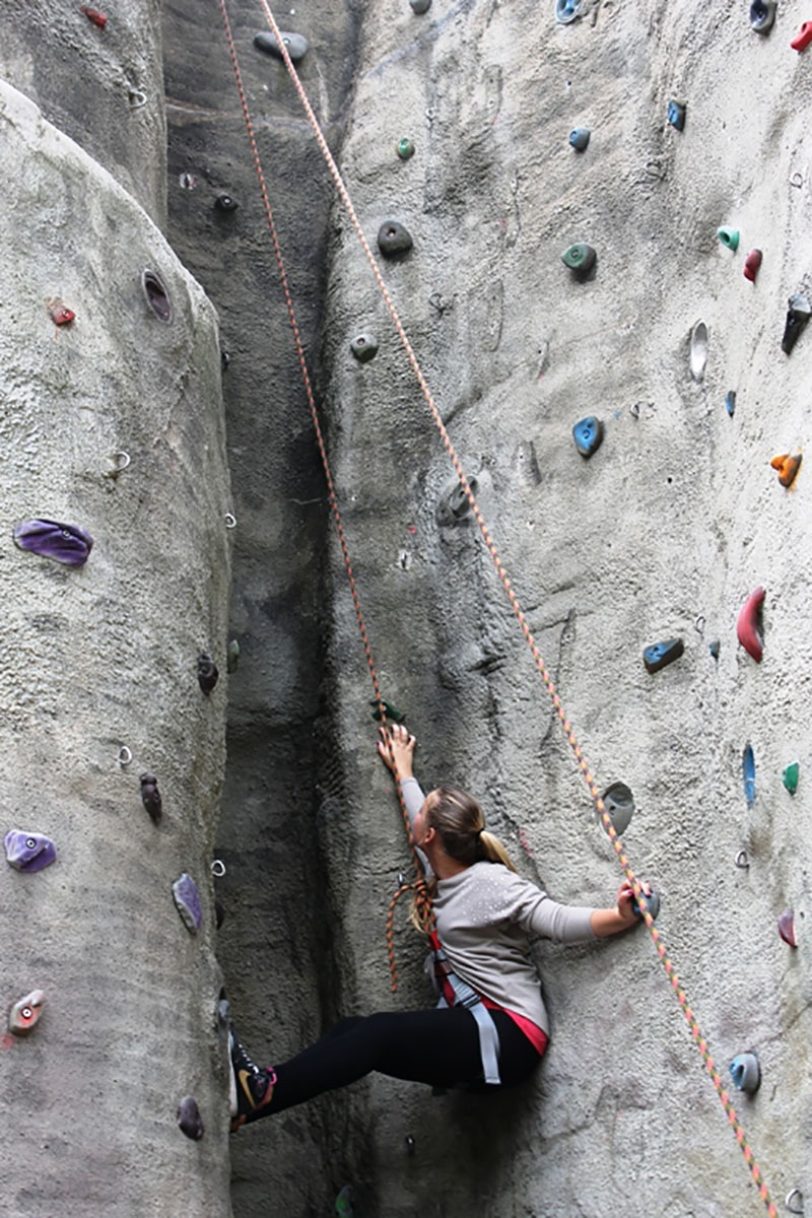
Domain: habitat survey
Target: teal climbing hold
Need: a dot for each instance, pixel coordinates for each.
(790, 777)
(344, 1203)
(392, 712)
(579, 138)
(405, 149)
(676, 114)
(580, 258)
(658, 655)
(567, 11)
(729, 237)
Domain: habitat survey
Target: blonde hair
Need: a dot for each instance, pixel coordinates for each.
(460, 824)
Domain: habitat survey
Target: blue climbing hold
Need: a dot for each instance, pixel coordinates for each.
(713, 648)
(749, 774)
(676, 114)
(658, 655)
(762, 15)
(579, 138)
(746, 1072)
(588, 435)
(567, 10)
(730, 402)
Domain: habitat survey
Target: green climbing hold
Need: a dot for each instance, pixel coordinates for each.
(344, 1203)
(405, 149)
(729, 237)
(579, 258)
(232, 655)
(790, 777)
(392, 712)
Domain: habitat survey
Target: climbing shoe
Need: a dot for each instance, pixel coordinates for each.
(250, 1087)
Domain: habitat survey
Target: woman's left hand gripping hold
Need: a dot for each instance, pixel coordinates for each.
(396, 750)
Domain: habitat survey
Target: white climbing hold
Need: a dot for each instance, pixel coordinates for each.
(699, 350)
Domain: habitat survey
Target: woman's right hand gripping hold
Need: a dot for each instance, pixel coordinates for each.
(396, 750)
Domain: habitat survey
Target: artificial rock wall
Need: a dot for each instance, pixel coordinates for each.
(112, 422)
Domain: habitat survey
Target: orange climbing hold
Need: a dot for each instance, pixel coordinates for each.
(787, 466)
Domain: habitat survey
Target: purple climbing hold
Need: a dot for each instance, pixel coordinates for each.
(189, 1118)
(187, 900)
(28, 851)
(786, 928)
(66, 543)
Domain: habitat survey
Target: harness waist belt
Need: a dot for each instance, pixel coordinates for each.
(465, 996)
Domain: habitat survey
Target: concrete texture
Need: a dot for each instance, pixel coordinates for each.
(94, 659)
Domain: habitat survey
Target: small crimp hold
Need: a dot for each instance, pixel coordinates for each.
(791, 776)
(749, 774)
(207, 673)
(411, 1145)
(729, 237)
(619, 803)
(392, 712)
(394, 239)
(296, 45)
(25, 1014)
(579, 138)
(803, 38)
(751, 264)
(420, 6)
(567, 11)
(746, 1072)
(762, 15)
(676, 114)
(93, 14)
(580, 258)
(798, 314)
(748, 625)
(713, 648)
(658, 655)
(151, 797)
(786, 927)
(787, 466)
(730, 402)
(405, 149)
(588, 435)
(364, 347)
(189, 1119)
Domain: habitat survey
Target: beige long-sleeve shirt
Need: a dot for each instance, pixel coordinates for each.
(486, 917)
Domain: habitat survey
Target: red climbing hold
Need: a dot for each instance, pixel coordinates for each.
(803, 38)
(751, 264)
(748, 625)
(60, 315)
(93, 14)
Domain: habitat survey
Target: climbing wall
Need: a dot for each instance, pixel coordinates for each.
(116, 493)
(662, 533)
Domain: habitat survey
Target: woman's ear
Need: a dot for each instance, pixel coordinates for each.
(429, 835)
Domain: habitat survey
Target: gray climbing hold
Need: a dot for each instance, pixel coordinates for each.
(420, 6)
(296, 45)
(798, 314)
(579, 138)
(232, 655)
(745, 1071)
(156, 295)
(454, 505)
(364, 347)
(567, 11)
(207, 673)
(762, 15)
(652, 904)
(187, 900)
(394, 239)
(151, 797)
(25, 1014)
(619, 803)
(189, 1118)
(698, 350)
(226, 203)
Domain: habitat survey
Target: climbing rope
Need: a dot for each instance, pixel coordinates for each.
(424, 905)
(418, 885)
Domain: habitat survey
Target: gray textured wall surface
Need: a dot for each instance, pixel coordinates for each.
(98, 658)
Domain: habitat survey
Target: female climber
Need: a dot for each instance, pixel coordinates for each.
(490, 1028)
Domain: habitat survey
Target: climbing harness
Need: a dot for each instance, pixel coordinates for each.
(418, 885)
(455, 992)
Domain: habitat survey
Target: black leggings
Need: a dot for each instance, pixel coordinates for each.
(439, 1047)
